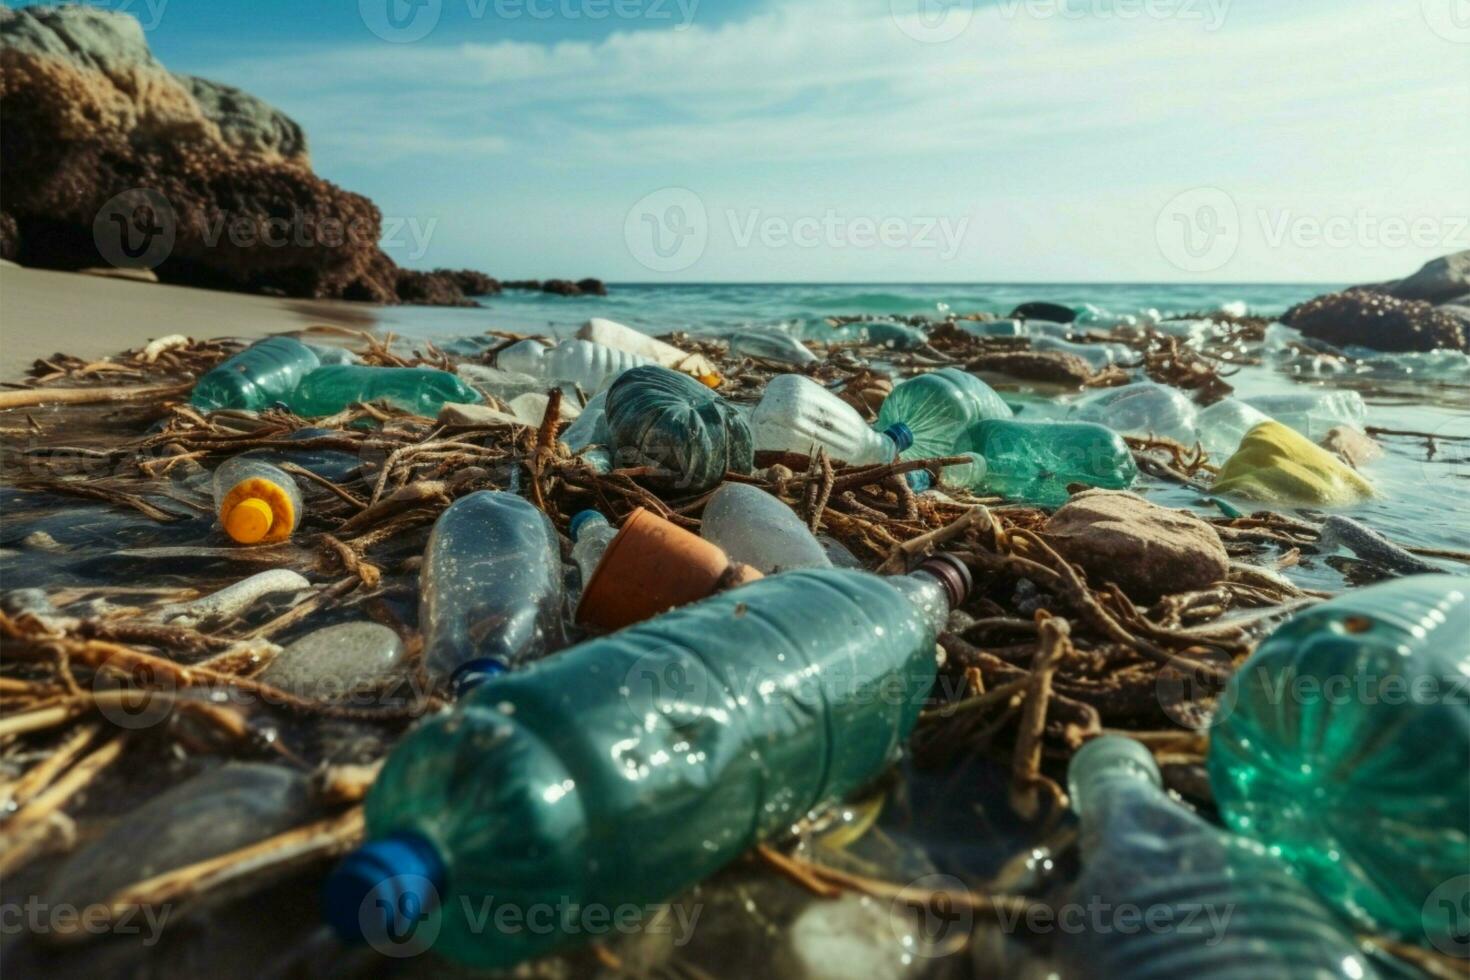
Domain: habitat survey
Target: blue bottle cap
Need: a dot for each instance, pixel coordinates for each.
(580, 519)
(473, 673)
(383, 889)
(901, 434)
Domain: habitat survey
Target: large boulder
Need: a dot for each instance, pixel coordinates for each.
(1366, 318)
(1147, 550)
(1438, 281)
(109, 159)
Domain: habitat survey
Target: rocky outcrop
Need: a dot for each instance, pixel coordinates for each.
(559, 287)
(246, 123)
(1439, 281)
(1364, 318)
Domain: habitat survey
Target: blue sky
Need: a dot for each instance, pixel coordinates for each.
(846, 140)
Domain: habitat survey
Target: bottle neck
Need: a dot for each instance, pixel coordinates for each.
(937, 586)
(1108, 771)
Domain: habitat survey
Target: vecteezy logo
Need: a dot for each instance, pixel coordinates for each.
(667, 231)
(932, 21)
(1199, 230)
(930, 916)
(667, 684)
(1447, 917)
(136, 229)
(1192, 690)
(1450, 19)
(133, 696)
(400, 918)
(400, 21)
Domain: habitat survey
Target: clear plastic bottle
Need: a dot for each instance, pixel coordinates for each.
(1221, 426)
(1164, 894)
(877, 333)
(1313, 413)
(1141, 409)
(666, 419)
(1343, 744)
(797, 415)
(591, 367)
(490, 586)
(591, 534)
(589, 428)
(755, 528)
(937, 407)
(422, 391)
(771, 345)
(1097, 356)
(256, 378)
(622, 771)
(257, 503)
(1035, 462)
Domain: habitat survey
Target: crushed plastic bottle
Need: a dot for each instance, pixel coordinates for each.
(257, 503)
(256, 378)
(797, 415)
(1313, 413)
(666, 419)
(880, 333)
(590, 427)
(626, 769)
(591, 534)
(1141, 409)
(1096, 356)
(1034, 462)
(753, 527)
(1343, 745)
(1278, 465)
(490, 586)
(937, 407)
(771, 345)
(1220, 427)
(591, 367)
(422, 391)
(1198, 901)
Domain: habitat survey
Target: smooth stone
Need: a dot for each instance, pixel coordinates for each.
(336, 661)
(1278, 465)
(1042, 310)
(216, 812)
(453, 414)
(530, 408)
(1438, 280)
(1148, 550)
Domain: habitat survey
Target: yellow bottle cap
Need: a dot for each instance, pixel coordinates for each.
(250, 520)
(710, 380)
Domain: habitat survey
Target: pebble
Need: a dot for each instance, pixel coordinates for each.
(336, 661)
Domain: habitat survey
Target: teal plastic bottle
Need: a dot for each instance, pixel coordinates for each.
(937, 408)
(621, 771)
(666, 419)
(1164, 894)
(1343, 744)
(1033, 462)
(256, 378)
(422, 391)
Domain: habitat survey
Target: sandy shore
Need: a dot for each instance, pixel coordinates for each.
(42, 313)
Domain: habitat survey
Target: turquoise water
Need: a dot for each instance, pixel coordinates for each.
(1422, 502)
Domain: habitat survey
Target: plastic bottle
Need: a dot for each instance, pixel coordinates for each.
(961, 476)
(490, 586)
(610, 333)
(1343, 744)
(753, 527)
(623, 770)
(1164, 894)
(1312, 413)
(259, 376)
(1097, 356)
(1034, 462)
(937, 407)
(257, 503)
(1221, 426)
(666, 419)
(797, 415)
(771, 345)
(591, 534)
(876, 333)
(591, 367)
(1141, 409)
(422, 391)
(589, 428)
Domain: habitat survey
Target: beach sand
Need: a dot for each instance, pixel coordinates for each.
(42, 313)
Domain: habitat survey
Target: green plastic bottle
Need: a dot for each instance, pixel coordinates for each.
(1164, 894)
(937, 408)
(1343, 744)
(422, 391)
(666, 419)
(621, 771)
(256, 378)
(1033, 462)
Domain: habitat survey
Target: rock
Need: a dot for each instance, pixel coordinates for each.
(1054, 366)
(561, 287)
(533, 284)
(592, 287)
(1351, 446)
(1438, 281)
(1369, 545)
(1278, 465)
(530, 408)
(1040, 310)
(1148, 550)
(336, 661)
(219, 811)
(109, 272)
(1360, 317)
(452, 414)
(472, 283)
(430, 288)
(204, 184)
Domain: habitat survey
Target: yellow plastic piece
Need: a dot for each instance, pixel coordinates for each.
(710, 380)
(1278, 465)
(257, 511)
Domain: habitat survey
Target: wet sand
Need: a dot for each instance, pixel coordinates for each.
(42, 313)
